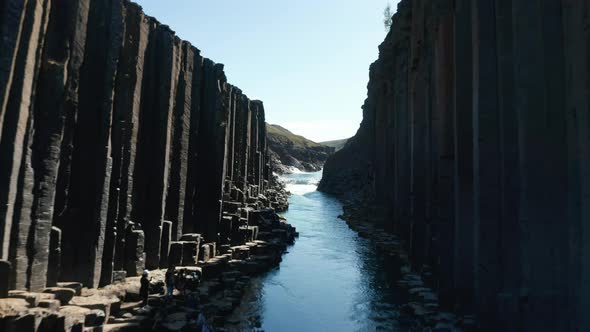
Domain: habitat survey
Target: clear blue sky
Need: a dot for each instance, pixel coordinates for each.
(307, 60)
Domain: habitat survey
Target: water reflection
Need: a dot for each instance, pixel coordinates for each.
(331, 279)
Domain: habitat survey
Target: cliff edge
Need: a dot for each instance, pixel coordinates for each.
(474, 149)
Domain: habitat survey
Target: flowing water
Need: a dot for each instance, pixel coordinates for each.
(330, 280)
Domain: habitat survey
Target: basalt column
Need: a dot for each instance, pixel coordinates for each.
(25, 26)
(419, 111)
(180, 154)
(213, 136)
(56, 97)
(242, 144)
(577, 99)
(116, 138)
(463, 168)
(262, 151)
(401, 118)
(382, 163)
(489, 102)
(190, 197)
(83, 220)
(152, 167)
(257, 148)
(485, 164)
(124, 136)
(442, 152)
(542, 165)
(509, 229)
(231, 137)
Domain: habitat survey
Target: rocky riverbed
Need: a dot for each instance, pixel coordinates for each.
(117, 307)
(420, 286)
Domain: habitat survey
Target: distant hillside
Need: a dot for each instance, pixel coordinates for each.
(295, 150)
(336, 144)
(285, 136)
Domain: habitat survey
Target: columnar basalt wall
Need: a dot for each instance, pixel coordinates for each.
(475, 149)
(116, 139)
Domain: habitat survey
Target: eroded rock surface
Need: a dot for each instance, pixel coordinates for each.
(116, 138)
(474, 149)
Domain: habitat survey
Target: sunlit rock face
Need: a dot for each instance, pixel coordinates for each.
(116, 138)
(475, 144)
(293, 153)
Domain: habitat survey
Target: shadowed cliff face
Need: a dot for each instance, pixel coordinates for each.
(475, 145)
(116, 137)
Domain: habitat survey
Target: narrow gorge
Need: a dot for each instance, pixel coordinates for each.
(474, 149)
(122, 149)
(141, 191)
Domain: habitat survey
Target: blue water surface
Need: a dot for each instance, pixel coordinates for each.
(330, 280)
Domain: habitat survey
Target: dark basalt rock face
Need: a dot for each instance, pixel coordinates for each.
(475, 149)
(116, 137)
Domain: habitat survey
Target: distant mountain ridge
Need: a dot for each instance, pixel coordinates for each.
(291, 150)
(336, 144)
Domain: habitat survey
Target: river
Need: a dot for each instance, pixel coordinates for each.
(330, 280)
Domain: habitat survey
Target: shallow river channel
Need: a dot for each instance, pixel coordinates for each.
(330, 280)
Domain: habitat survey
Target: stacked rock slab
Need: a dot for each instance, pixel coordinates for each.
(116, 137)
(475, 145)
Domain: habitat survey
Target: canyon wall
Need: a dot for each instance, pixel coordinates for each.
(117, 140)
(475, 150)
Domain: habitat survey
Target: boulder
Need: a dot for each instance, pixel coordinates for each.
(74, 316)
(248, 233)
(165, 243)
(122, 327)
(281, 234)
(31, 297)
(175, 257)
(260, 249)
(194, 237)
(213, 268)
(54, 321)
(176, 325)
(205, 253)
(54, 259)
(95, 317)
(223, 249)
(224, 258)
(132, 286)
(226, 228)
(240, 252)
(25, 322)
(212, 249)
(4, 278)
(64, 295)
(134, 252)
(190, 269)
(52, 305)
(13, 306)
(190, 252)
(231, 207)
(109, 304)
(119, 276)
(76, 286)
